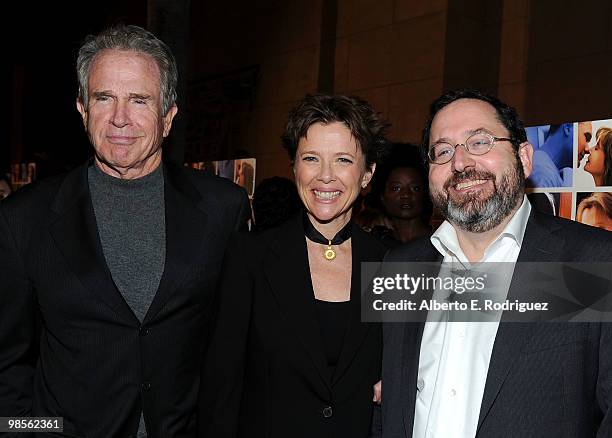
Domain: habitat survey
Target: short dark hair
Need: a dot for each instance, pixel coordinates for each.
(135, 39)
(365, 124)
(505, 114)
(402, 155)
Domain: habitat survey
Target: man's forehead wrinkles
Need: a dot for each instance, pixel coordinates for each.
(467, 132)
(128, 94)
(464, 134)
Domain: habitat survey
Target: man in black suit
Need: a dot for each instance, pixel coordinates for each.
(495, 379)
(108, 272)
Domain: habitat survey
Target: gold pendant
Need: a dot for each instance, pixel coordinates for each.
(329, 254)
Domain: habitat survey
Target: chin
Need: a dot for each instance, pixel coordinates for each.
(471, 197)
(409, 216)
(327, 212)
(325, 216)
(592, 169)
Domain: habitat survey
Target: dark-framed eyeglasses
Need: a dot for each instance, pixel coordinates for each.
(478, 143)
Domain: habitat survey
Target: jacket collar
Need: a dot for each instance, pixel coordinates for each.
(540, 243)
(287, 270)
(75, 232)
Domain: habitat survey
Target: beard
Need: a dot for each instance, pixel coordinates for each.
(476, 214)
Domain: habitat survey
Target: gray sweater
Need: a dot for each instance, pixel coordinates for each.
(130, 215)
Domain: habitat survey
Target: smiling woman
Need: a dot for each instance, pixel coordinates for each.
(330, 171)
(297, 325)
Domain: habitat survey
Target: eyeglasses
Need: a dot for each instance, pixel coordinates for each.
(476, 144)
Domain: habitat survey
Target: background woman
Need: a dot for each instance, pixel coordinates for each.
(599, 163)
(401, 188)
(290, 356)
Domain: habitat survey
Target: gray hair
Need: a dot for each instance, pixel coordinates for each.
(137, 39)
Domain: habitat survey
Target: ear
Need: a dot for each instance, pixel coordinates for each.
(83, 111)
(525, 153)
(168, 119)
(367, 176)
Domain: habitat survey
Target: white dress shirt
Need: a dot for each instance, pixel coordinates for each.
(454, 356)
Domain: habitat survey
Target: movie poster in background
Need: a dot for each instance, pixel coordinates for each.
(241, 171)
(22, 174)
(572, 171)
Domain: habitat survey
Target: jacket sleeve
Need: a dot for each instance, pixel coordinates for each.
(224, 364)
(376, 429)
(604, 381)
(18, 328)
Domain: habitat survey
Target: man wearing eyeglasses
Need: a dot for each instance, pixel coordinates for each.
(496, 379)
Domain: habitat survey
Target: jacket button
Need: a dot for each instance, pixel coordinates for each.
(145, 386)
(143, 331)
(328, 411)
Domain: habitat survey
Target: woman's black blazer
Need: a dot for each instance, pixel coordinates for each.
(265, 372)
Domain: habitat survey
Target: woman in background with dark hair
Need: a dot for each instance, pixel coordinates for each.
(401, 187)
(290, 356)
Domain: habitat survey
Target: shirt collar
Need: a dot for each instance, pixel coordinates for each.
(444, 239)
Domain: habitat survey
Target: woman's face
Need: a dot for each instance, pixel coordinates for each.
(596, 164)
(403, 195)
(330, 172)
(596, 217)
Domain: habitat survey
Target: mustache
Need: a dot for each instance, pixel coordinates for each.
(471, 174)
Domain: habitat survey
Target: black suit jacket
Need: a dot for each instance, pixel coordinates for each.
(266, 374)
(545, 379)
(70, 345)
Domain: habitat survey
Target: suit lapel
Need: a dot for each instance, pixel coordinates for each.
(287, 270)
(75, 233)
(411, 347)
(411, 342)
(185, 234)
(538, 246)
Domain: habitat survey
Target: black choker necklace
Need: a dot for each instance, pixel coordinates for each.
(313, 234)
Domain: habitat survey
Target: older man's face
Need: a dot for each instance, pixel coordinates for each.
(123, 118)
(476, 193)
